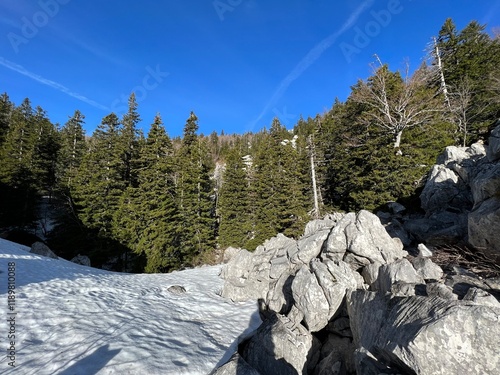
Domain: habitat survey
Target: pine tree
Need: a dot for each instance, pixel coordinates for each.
(6, 108)
(128, 143)
(235, 225)
(279, 185)
(45, 153)
(73, 147)
(147, 215)
(195, 195)
(468, 59)
(99, 183)
(16, 167)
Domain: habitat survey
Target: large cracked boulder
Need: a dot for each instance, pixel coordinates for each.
(360, 239)
(484, 228)
(278, 347)
(494, 145)
(423, 335)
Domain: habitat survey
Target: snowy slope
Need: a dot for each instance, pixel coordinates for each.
(75, 320)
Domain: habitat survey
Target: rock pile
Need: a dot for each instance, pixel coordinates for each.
(461, 198)
(346, 298)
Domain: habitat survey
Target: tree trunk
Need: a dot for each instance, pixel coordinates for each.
(313, 177)
(397, 141)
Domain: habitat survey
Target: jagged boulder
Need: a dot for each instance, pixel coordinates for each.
(423, 335)
(399, 272)
(484, 228)
(236, 366)
(444, 190)
(82, 260)
(242, 281)
(360, 239)
(280, 347)
(40, 248)
(427, 269)
(486, 183)
(494, 145)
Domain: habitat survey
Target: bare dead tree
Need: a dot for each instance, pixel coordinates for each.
(463, 110)
(398, 105)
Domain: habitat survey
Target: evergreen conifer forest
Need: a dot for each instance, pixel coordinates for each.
(159, 203)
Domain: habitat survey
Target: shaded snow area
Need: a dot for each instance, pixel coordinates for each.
(72, 319)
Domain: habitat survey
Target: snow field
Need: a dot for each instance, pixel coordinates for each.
(76, 320)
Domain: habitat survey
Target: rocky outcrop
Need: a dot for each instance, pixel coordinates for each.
(40, 248)
(461, 199)
(82, 260)
(423, 335)
(346, 298)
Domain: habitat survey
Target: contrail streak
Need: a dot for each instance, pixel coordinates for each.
(21, 70)
(313, 55)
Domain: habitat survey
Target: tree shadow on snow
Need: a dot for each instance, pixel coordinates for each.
(92, 363)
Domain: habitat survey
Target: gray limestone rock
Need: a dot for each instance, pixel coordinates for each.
(337, 355)
(229, 253)
(235, 366)
(493, 151)
(426, 268)
(82, 260)
(370, 274)
(426, 335)
(486, 183)
(424, 251)
(310, 247)
(363, 236)
(39, 248)
(437, 289)
(444, 189)
(176, 289)
(310, 300)
(481, 297)
(241, 278)
(484, 228)
(280, 347)
(400, 271)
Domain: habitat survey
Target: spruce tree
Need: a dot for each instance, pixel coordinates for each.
(6, 108)
(160, 238)
(45, 153)
(16, 167)
(99, 182)
(73, 147)
(195, 195)
(128, 143)
(234, 212)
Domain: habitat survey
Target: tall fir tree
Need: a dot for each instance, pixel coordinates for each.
(195, 195)
(99, 183)
(235, 226)
(73, 148)
(45, 153)
(16, 168)
(129, 143)
(160, 239)
(6, 108)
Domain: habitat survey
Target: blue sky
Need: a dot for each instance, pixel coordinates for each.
(235, 63)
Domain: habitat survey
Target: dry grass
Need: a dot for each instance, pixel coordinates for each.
(471, 259)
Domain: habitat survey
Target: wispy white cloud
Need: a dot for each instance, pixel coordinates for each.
(57, 86)
(313, 55)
